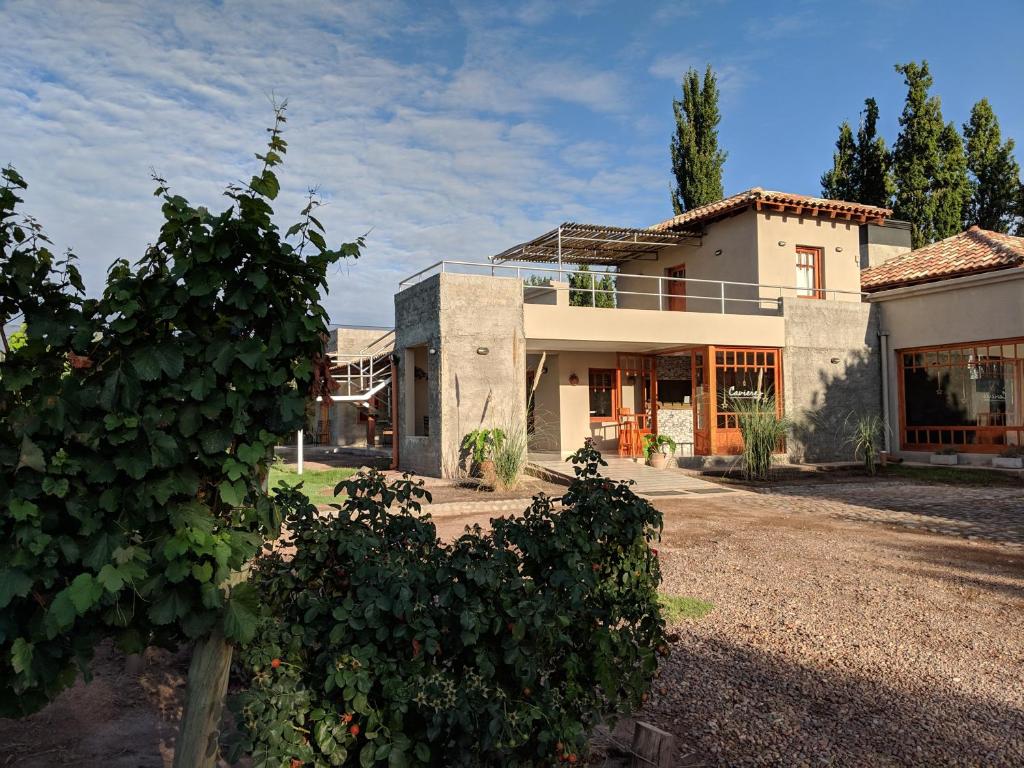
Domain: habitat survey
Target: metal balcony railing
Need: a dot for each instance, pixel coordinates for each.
(665, 293)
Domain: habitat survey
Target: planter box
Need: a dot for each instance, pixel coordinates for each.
(946, 459)
(1008, 462)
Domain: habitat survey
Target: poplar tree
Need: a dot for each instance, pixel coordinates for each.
(872, 177)
(697, 161)
(995, 174)
(838, 183)
(951, 189)
(916, 157)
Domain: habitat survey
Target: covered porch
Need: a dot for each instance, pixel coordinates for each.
(618, 397)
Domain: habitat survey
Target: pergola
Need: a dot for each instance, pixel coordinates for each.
(594, 245)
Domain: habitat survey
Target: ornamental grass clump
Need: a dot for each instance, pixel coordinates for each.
(864, 436)
(501, 648)
(509, 456)
(763, 432)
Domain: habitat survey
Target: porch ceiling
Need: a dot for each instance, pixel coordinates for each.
(536, 346)
(594, 244)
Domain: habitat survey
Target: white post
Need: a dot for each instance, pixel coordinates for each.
(559, 252)
(299, 451)
(722, 284)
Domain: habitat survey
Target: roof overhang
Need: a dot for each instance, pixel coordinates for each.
(594, 244)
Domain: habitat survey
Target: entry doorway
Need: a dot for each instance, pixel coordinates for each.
(723, 376)
(636, 383)
(676, 288)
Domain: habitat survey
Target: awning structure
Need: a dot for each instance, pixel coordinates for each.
(593, 244)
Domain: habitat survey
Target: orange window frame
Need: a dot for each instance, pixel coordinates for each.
(611, 387)
(814, 267)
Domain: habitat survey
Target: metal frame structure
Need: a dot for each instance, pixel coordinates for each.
(594, 244)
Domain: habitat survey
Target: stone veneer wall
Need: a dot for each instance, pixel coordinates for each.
(674, 367)
(677, 424)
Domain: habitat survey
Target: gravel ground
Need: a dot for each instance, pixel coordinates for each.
(836, 640)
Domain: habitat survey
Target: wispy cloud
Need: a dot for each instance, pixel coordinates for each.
(440, 158)
(732, 77)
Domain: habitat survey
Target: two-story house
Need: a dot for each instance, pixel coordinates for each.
(757, 295)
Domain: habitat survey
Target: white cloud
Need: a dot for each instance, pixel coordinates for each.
(439, 159)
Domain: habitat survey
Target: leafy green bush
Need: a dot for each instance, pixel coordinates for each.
(481, 443)
(136, 428)
(382, 646)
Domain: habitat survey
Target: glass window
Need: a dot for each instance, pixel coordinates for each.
(808, 272)
(602, 395)
(966, 395)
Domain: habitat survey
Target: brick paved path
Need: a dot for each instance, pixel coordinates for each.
(973, 512)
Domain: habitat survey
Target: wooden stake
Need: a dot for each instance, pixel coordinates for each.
(652, 747)
(197, 742)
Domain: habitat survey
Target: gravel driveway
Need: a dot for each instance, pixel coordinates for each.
(839, 639)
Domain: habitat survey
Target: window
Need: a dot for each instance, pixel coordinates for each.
(602, 393)
(963, 395)
(808, 272)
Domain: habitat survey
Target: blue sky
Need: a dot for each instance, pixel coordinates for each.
(449, 129)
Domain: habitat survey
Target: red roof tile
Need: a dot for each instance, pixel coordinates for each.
(729, 205)
(970, 252)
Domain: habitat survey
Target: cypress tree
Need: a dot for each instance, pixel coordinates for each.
(995, 182)
(697, 161)
(916, 157)
(951, 189)
(871, 177)
(838, 182)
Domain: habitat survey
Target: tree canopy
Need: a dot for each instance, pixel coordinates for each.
(697, 160)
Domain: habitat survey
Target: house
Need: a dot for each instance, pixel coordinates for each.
(755, 296)
(952, 314)
(358, 414)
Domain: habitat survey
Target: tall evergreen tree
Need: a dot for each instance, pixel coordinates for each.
(951, 189)
(916, 156)
(871, 178)
(697, 161)
(995, 182)
(838, 182)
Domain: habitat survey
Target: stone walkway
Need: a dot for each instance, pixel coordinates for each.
(988, 513)
(649, 482)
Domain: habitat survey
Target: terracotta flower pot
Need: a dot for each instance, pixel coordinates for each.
(488, 474)
(658, 460)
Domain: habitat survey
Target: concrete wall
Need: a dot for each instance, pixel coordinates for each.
(777, 263)
(459, 317)
(824, 398)
(546, 405)
(976, 308)
(735, 237)
(574, 402)
(550, 327)
(418, 325)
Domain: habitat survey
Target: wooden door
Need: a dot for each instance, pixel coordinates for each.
(676, 288)
(702, 399)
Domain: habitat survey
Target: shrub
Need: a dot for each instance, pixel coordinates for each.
(763, 431)
(503, 648)
(509, 455)
(481, 443)
(654, 443)
(863, 438)
(1012, 452)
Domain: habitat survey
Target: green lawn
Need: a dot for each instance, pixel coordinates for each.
(675, 608)
(317, 484)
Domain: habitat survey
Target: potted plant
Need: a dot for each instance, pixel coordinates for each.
(1010, 458)
(947, 457)
(659, 448)
(481, 444)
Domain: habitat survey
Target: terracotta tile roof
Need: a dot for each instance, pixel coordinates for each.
(970, 252)
(771, 200)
